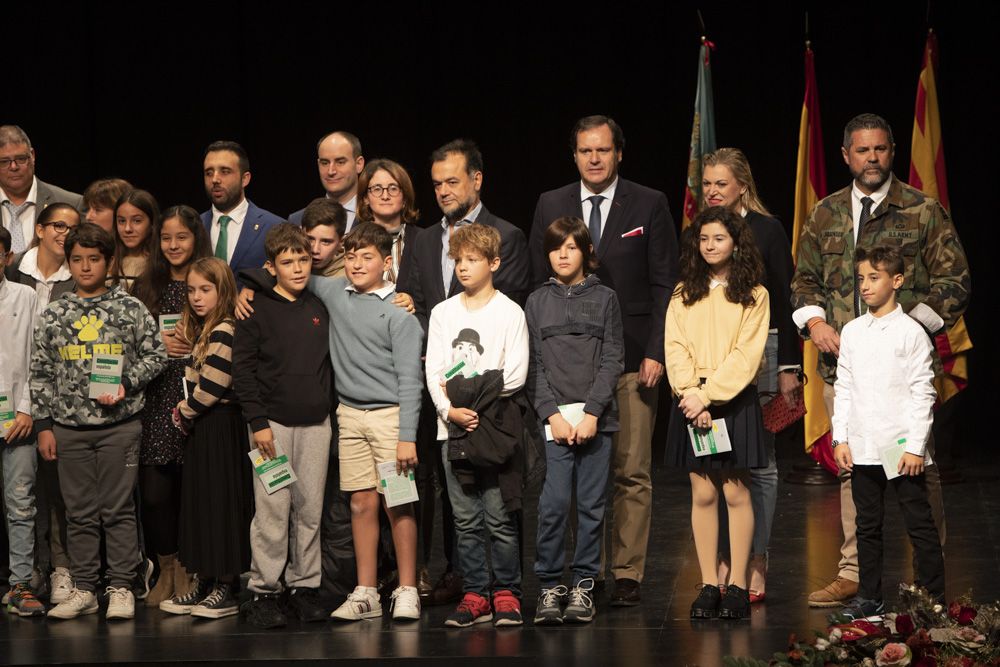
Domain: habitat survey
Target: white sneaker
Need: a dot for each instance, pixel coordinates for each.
(405, 603)
(77, 603)
(60, 585)
(121, 603)
(361, 603)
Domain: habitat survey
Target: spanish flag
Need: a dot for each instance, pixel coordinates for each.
(927, 175)
(702, 133)
(810, 187)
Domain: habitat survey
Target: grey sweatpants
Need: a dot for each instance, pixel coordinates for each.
(97, 474)
(290, 517)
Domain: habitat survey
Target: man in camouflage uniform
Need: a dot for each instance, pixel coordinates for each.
(876, 209)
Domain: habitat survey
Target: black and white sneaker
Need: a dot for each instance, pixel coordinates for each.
(143, 575)
(219, 603)
(548, 610)
(580, 608)
(182, 604)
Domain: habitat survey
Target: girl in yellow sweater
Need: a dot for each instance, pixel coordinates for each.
(716, 328)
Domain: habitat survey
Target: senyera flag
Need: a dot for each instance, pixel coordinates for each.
(927, 175)
(810, 187)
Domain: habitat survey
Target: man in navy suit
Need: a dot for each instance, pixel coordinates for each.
(340, 162)
(236, 225)
(636, 245)
(457, 175)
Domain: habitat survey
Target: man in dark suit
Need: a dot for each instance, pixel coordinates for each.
(340, 162)
(22, 196)
(237, 227)
(636, 244)
(457, 175)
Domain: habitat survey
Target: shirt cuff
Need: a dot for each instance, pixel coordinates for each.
(917, 447)
(789, 367)
(926, 316)
(802, 316)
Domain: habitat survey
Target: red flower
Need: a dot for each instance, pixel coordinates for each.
(795, 654)
(904, 625)
(966, 615)
(954, 609)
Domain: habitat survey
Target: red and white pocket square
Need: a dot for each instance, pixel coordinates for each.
(638, 231)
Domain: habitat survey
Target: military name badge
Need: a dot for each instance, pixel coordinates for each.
(7, 412)
(106, 374)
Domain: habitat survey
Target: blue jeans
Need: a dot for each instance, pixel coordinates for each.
(763, 481)
(475, 508)
(590, 463)
(19, 465)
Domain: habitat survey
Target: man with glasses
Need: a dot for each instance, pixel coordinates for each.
(22, 196)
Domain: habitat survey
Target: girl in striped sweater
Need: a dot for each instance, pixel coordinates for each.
(216, 491)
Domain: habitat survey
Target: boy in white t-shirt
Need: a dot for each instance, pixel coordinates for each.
(484, 333)
(883, 411)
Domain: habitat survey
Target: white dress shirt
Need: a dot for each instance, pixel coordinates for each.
(884, 389)
(43, 285)
(237, 216)
(608, 193)
(27, 216)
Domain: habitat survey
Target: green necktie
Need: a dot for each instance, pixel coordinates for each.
(222, 244)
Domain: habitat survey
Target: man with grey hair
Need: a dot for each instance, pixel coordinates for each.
(22, 196)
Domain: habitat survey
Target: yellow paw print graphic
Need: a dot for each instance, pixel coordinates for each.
(88, 326)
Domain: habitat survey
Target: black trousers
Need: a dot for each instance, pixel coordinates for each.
(868, 484)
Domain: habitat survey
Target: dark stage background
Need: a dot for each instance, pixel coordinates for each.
(138, 90)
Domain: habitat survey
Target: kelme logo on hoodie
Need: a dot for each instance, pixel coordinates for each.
(88, 329)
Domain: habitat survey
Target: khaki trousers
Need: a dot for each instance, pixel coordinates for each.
(632, 493)
(848, 566)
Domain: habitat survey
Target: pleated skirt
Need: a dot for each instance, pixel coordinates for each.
(746, 432)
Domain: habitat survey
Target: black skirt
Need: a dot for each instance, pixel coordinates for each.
(746, 433)
(216, 495)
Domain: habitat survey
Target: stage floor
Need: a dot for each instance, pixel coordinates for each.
(804, 553)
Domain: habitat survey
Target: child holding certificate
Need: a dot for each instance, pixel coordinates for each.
(216, 496)
(882, 415)
(716, 328)
(577, 356)
(96, 349)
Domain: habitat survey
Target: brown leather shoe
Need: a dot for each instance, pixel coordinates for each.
(424, 586)
(626, 593)
(834, 594)
(447, 590)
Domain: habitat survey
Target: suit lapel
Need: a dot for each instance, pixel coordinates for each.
(616, 218)
(43, 197)
(436, 276)
(248, 234)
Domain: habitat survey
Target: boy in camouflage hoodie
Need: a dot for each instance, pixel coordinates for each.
(95, 441)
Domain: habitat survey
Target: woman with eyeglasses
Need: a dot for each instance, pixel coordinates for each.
(386, 197)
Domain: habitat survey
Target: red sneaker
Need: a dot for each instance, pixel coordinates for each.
(473, 608)
(506, 609)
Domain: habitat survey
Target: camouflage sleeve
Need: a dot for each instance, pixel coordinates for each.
(43, 375)
(947, 266)
(807, 282)
(151, 355)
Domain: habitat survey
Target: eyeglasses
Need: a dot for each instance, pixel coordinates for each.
(60, 226)
(392, 189)
(19, 160)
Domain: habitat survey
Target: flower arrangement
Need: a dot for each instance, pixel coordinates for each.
(922, 633)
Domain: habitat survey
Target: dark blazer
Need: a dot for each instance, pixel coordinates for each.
(776, 252)
(404, 272)
(641, 269)
(249, 252)
(13, 274)
(426, 284)
(296, 218)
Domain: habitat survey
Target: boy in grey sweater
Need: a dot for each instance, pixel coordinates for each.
(94, 440)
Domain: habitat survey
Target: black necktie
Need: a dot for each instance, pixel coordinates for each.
(595, 219)
(866, 214)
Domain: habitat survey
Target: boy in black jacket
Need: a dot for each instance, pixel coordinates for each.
(281, 373)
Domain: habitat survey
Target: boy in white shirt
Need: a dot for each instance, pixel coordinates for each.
(484, 332)
(883, 411)
(17, 451)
